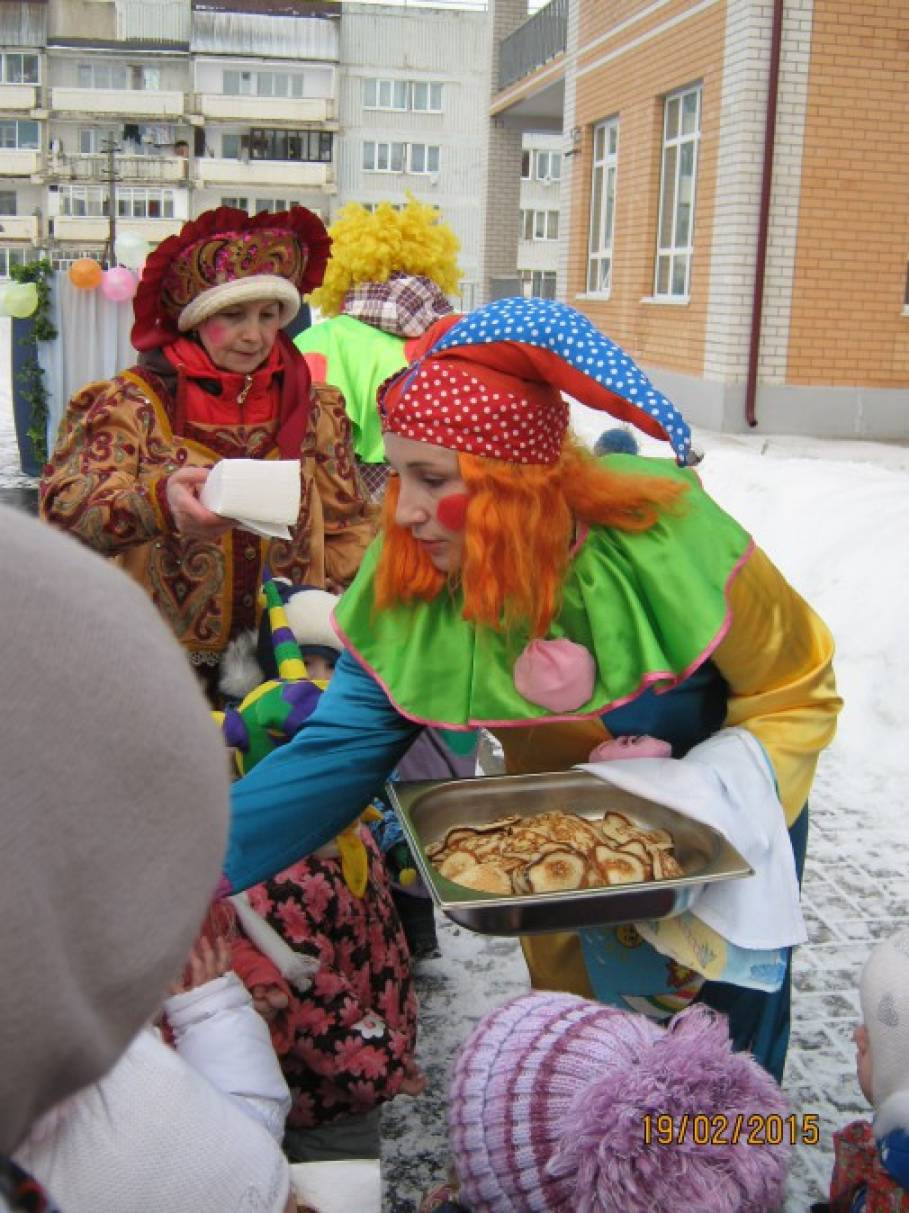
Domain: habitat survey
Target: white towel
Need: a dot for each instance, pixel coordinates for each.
(727, 783)
(339, 1187)
(262, 495)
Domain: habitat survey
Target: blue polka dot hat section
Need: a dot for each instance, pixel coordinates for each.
(562, 348)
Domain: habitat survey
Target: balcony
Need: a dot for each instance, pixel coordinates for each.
(18, 96)
(256, 110)
(532, 44)
(94, 229)
(18, 162)
(19, 227)
(125, 102)
(302, 175)
(128, 168)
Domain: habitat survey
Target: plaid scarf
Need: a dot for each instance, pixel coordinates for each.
(405, 306)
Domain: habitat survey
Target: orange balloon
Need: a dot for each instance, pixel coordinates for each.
(86, 274)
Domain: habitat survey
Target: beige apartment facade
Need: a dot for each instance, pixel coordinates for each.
(674, 203)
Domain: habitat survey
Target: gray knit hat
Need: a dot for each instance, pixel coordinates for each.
(114, 818)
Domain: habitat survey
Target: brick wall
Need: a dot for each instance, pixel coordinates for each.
(634, 52)
(846, 324)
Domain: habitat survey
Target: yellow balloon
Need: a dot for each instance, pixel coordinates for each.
(20, 300)
(86, 274)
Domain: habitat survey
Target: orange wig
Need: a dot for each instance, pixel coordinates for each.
(518, 534)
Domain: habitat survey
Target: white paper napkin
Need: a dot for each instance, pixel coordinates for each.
(262, 495)
(339, 1187)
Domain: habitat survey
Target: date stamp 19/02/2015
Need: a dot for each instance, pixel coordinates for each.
(720, 1129)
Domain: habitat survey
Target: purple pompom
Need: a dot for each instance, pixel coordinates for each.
(690, 1070)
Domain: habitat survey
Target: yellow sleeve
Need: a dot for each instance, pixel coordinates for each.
(777, 659)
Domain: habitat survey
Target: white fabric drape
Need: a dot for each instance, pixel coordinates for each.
(92, 343)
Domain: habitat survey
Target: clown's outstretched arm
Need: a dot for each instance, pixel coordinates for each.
(304, 792)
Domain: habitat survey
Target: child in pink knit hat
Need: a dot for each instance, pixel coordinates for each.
(558, 1103)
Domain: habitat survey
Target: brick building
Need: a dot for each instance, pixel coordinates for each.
(674, 200)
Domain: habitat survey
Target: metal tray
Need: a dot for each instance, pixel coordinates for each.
(428, 809)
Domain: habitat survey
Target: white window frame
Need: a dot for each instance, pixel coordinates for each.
(603, 184)
(675, 228)
(384, 156)
(272, 205)
(4, 195)
(540, 226)
(526, 164)
(434, 93)
(535, 282)
(78, 201)
(16, 254)
(377, 85)
(543, 165)
(426, 156)
(111, 75)
(139, 196)
(5, 75)
(239, 201)
(19, 123)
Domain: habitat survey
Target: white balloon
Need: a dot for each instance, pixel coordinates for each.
(131, 249)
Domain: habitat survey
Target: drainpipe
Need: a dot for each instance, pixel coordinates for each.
(757, 306)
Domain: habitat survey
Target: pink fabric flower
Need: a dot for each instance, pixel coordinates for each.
(555, 674)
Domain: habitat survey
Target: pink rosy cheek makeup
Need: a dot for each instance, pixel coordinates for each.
(452, 511)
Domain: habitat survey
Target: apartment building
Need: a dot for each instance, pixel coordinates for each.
(538, 217)
(414, 99)
(734, 197)
(160, 111)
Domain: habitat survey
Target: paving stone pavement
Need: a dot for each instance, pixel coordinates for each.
(854, 893)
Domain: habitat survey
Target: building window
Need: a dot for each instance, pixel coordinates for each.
(136, 202)
(272, 205)
(421, 96)
(240, 203)
(548, 166)
(681, 132)
(103, 75)
(18, 68)
(63, 258)
(19, 133)
(602, 206)
(423, 158)
(308, 146)
(16, 255)
(539, 225)
(83, 201)
(526, 157)
(7, 202)
(384, 157)
(426, 97)
(538, 284)
(93, 140)
(231, 146)
(237, 84)
(248, 83)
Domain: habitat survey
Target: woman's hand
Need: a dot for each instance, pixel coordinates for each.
(191, 518)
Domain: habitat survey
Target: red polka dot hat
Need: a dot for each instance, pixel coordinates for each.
(490, 383)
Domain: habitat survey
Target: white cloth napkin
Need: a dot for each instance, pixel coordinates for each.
(727, 783)
(262, 495)
(339, 1187)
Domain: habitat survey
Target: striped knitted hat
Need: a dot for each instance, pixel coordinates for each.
(548, 1105)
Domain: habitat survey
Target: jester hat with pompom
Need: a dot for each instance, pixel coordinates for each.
(490, 383)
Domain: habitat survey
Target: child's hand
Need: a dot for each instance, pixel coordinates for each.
(205, 964)
(269, 1000)
(414, 1082)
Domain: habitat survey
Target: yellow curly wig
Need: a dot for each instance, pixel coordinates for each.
(370, 247)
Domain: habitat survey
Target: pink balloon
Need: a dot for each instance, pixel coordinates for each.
(119, 284)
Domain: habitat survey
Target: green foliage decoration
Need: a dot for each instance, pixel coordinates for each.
(30, 377)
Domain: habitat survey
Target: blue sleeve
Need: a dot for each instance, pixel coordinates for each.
(304, 792)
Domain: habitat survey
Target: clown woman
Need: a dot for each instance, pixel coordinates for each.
(521, 585)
